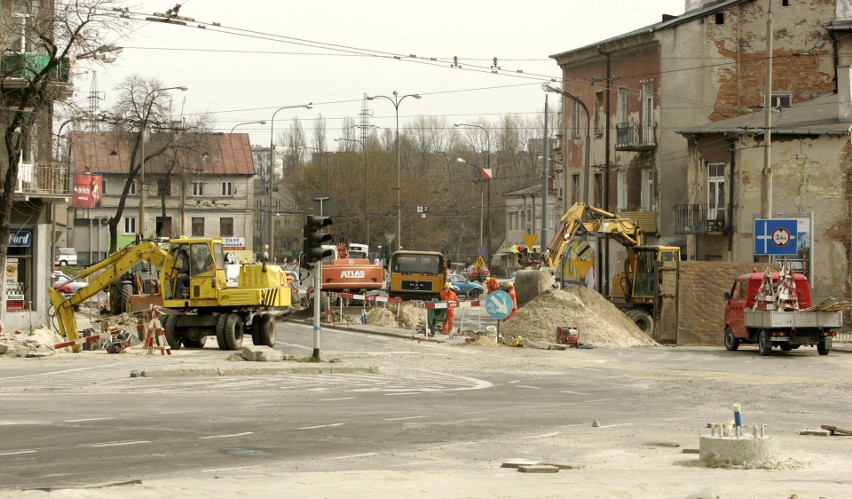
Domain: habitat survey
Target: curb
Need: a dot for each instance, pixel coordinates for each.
(250, 371)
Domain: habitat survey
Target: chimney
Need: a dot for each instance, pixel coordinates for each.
(844, 93)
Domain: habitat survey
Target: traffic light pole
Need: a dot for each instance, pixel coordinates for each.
(317, 293)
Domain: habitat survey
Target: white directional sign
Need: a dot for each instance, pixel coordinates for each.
(498, 304)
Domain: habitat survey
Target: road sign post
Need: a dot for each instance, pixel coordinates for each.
(498, 305)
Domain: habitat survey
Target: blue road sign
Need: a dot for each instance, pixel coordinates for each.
(498, 304)
(775, 236)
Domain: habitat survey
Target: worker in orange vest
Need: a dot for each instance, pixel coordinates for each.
(492, 284)
(447, 295)
(511, 287)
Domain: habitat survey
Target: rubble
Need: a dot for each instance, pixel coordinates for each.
(38, 343)
(600, 323)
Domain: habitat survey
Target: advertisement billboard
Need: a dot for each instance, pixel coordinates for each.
(87, 191)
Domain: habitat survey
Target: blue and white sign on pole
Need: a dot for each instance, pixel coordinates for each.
(775, 236)
(498, 304)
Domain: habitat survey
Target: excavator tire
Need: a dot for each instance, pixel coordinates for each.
(263, 330)
(643, 320)
(531, 283)
(232, 335)
(126, 293)
(169, 323)
(115, 299)
(220, 331)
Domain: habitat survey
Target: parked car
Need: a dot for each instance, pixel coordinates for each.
(66, 257)
(478, 275)
(465, 287)
(67, 285)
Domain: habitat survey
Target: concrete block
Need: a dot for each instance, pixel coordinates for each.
(517, 462)
(261, 353)
(564, 466)
(3, 348)
(541, 468)
(815, 433)
(743, 451)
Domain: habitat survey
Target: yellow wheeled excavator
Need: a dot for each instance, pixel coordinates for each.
(636, 289)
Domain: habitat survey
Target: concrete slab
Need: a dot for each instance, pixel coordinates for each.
(541, 468)
(517, 462)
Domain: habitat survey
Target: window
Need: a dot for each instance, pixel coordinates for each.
(716, 191)
(576, 119)
(599, 112)
(132, 187)
(164, 187)
(647, 196)
(781, 100)
(103, 186)
(648, 114)
(598, 194)
(198, 226)
(621, 201)
(198, 189)
(227, 189)
(21, 37)
(720, 18)
(576, 195)
(226, 226)
(130, 225)
(621, 110)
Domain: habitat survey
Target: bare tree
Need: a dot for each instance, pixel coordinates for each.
(46, 38)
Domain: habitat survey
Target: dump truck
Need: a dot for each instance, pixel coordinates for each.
(416, 274)
(636, 290)
(774, 309)
(220, 296)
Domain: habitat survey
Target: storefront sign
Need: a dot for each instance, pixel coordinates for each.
(87, 190)
(234, 243)
(11, 272)
(20, 239)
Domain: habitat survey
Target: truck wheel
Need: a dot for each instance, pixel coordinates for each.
(822, 348)
(220, 331)
(232, 335)
(764, 343)
(169, 329)
(731, 343)
(263, 330)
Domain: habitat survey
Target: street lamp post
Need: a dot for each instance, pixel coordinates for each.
(487, 165)
(396, 101)
(547, 87)
(481, 197)
(142, 194)
(366, 185)
(270, 222)
(247, 123)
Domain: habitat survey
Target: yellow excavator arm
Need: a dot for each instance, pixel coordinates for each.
(601, 222)
(110, 269)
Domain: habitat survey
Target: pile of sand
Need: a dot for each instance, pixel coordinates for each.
(38, 343)
(600, 323)
(411, 316)
(381, 317)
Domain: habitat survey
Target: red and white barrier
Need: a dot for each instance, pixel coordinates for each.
(78, 341)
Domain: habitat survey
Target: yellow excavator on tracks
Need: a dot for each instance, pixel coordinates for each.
(218, 296)
(636, 289)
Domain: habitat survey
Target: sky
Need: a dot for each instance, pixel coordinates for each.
(265, 54)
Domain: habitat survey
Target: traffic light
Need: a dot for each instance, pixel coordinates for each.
(522, 253)
(313, 240)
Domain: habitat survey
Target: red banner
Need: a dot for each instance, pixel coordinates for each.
(87, 191)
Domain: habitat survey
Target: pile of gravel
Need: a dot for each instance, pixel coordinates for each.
(599, 322)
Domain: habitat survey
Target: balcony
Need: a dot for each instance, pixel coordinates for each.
(27, 66)
(49, 182)
(635, 136)
(702, 219)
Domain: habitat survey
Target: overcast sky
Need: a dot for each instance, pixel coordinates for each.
(331, 52)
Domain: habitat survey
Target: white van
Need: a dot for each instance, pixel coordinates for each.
(67, 256)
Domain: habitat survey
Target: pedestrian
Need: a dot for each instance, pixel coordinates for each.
(448, 295)
(182, 266)
(511, 287)
(263, 257)
(492, 284)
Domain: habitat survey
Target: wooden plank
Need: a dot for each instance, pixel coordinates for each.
(836, 429)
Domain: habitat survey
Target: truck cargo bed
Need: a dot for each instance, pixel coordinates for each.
(774, 319)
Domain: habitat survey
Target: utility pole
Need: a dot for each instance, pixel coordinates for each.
(766, 177)
(543, 243)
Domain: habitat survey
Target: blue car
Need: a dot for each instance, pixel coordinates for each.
(465, 287)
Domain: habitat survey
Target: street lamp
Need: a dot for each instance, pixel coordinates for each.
(547, 87)
(396, 101)
(270, 221)
(248, 123)
(366, 184)
(481, 198)
(487, 165)
(145, 116)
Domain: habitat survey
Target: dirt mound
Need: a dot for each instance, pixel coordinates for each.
(38, 343)
(381, 317)
(411, 316)
(600, 323)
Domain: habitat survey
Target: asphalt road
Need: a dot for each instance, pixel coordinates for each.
(77, 420)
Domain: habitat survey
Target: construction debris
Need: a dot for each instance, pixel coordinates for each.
(836, 430)
(814, 433)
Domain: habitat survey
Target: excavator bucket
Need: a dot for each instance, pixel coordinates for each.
(531, 283)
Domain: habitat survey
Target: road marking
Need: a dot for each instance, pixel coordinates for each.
(87, 419)
(614, 425)
(64, 371)
(17, 452)
(332, 400)
(512, 382)
(356, 455)
(228, 436)
(574, 393)
(530, 387)
(177, 412)
(407, 417)
(596, 400)
(546, 435)
(117, 444)
(320, 426)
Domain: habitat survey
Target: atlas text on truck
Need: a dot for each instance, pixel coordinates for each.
(773, 309)
(221, 297)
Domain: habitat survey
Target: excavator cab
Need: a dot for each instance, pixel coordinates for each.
(641, 279)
